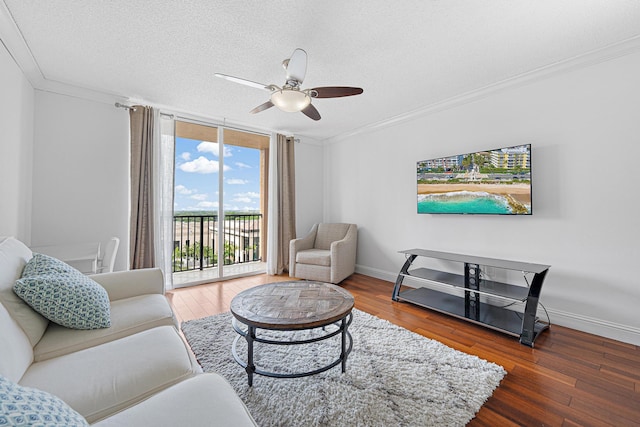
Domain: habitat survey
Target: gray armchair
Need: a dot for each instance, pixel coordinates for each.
(326, 254)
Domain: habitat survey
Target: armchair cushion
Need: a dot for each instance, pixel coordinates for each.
(314, 257)
(329, 233)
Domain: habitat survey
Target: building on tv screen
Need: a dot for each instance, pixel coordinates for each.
(485, 182)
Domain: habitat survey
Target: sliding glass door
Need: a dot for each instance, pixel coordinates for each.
(220, 201)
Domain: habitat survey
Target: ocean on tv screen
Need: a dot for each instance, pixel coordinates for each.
(465, 202)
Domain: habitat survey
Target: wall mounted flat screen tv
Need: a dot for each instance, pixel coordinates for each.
(492, 182)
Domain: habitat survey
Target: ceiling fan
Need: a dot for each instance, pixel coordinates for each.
(291, 97)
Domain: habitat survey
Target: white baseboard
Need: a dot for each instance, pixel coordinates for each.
(603, 328)
(378, 274)
(600, 327)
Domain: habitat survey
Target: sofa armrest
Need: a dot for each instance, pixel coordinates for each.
(131, 283)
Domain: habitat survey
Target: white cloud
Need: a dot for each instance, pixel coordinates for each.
(185, 156)
(239, 208)
(249, 197)
(243, 165)
(207, 205)
(242, 199)
(181, 189)
(200, 197)
(250, 194)
(237, 181)
(213, 148)
(202, 165)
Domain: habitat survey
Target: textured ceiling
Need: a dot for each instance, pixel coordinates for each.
(405, 54)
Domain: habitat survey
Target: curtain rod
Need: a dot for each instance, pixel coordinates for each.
(200, 121)
(126, 107)
(213, 123)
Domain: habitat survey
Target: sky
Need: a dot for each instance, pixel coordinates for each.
(197, 170)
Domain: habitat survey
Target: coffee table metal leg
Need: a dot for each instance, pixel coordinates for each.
(346, 344)
(251, 368)
(343, 355)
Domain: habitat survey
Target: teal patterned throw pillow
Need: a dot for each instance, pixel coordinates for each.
(63, 295)
(24, 406)
(44, 264)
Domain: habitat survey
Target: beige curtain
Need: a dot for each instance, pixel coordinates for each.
(142, 254)
(282, 215)
(285, 199)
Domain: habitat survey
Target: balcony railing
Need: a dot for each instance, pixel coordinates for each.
(195, 240)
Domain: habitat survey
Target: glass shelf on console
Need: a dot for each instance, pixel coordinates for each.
(486, 287)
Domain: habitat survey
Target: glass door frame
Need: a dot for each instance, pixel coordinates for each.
(221, 129)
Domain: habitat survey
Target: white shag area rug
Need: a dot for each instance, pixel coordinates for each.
(394, 377)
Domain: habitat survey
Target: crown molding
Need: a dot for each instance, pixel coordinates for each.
(307, 140)
(607, 53)
(15, 44)
(12, 39)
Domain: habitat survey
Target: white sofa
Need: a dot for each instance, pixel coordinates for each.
(136, 372)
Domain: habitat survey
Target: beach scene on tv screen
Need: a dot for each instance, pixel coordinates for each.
(485, 182)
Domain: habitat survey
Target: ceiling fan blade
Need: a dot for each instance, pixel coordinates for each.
(334, 91)
(296, 65)
(262, 107)
(244, 81)
(311, 112)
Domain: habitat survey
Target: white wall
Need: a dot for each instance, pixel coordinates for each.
(309, 184)
(16, 145)
(583, 125)
(584, 129)
(81, 172)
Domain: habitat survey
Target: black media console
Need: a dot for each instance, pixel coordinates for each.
(485, 302)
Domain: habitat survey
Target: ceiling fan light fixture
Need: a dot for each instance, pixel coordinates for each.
(289, 100)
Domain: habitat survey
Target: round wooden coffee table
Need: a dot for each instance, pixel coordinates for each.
(291, 306)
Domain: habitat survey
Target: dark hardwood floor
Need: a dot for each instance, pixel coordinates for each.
(570, 378)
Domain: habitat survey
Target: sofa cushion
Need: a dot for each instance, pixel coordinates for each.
(128, 316)
(202, 401)
(314, 257)
(16, 353)
(102, 380)
(131, 283)
(14, 255)
(63, 295)
(24, 406)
